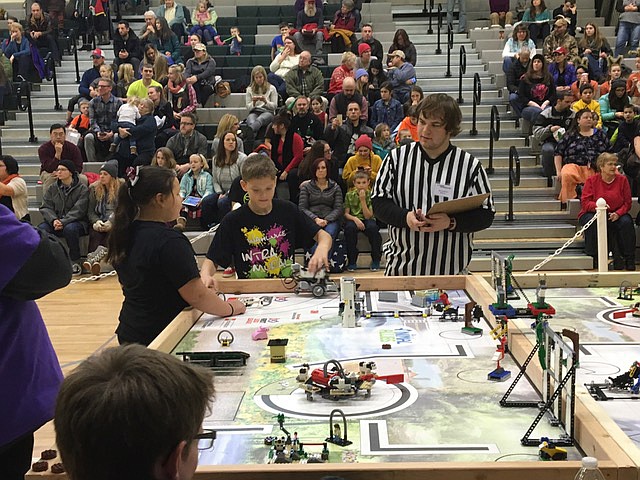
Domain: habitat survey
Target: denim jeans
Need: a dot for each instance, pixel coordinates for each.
(372, 231)
(71, 233)
(628, 33)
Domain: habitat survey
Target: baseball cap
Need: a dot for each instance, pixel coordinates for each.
(560, 50)
(97, 53)
(397, 53)
(199, 46)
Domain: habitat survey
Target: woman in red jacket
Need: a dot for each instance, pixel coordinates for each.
(287, 150)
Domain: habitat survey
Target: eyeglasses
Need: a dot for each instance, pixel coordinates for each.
(205, 439)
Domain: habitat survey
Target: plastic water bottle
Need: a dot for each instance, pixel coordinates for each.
(589, 470)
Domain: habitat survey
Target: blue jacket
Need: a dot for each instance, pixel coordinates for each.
(87, 77)
(399, 76)
(17, 50)
(391, 113)
(145, 134)
(204, 185)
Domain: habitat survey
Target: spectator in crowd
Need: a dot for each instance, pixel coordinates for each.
(164, 158)
(13, 188)
(134, 379)
(402, 76)
(514, 46)
(126, 46)
(340, 103)
(537, 90)
(609, 184)
(187, 142)
(415, 97)
(167, 42)
(64, 210)
(148, 33)
(583, 78)
(362, 84)
(19, 53)
(204, 21)
(342, 71)
(144, 134)
(321, 200)
(31, 373)
(196, 183)
(51, 153)
(517, 69)
(287, 149)
(160, 66)
(102, 204)
(193, 41)
(562, 71)
(436, 244)
(304, 79)
(386, 110)
(367, 38)
(595, 49)
(226, 168)
(200, 73)
(180, 94)
(628, 27)
(500, 14)
(308, 23)
(40, 29)
(363, 160)
(319, 150)
(410, 124)
(163, 113)
(345, 23)
(227, 122)
(102, 115)
(282, 64)
(615, 72)
(55, 9)
(305, 123)
(612, 105)
(318, 109)
(538, 17)
(550, 125)
(298, 5)
(173, 14)
(587, 101)
(560, 37)
(382, 142)
(155, 264)
(81, 123)
(277, 44)
(576, 154)
(363, 60)
(358, 215)
(235, 41)
(569, 11)
(401, 42)
(140, 88)
(377, 75)
(632, 82)
(626, 139)
(261, 100)
(126, 76)
(342, 134)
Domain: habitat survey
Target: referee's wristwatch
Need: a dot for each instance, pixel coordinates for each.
(452, 224)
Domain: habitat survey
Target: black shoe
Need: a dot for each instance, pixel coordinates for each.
(630, 265)
(618, 264)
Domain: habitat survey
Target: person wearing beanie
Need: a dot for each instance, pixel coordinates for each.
(364, 56)
(612, 105)
(13, 188)
(362, 85)
(549, 125)
(64, 210)
(102, 204)
(363, 160)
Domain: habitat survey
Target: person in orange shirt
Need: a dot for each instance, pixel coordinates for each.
(632, 83)
(410, 122)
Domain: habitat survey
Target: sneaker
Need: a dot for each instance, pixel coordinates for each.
(229, 272)
(375, 266)
(76, 269)
(630, 265)
(96, 269)
(181, 224)
(86, 266)
(352, 267)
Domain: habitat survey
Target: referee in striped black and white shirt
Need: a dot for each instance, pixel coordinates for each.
(415, 177)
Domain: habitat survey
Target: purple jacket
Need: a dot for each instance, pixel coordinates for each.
(30, 375)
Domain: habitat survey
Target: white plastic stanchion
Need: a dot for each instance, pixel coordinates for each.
(603, 248)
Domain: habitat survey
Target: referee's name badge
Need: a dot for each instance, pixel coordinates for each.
(442, 190)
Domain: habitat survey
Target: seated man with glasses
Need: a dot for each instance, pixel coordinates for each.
(187, 142)
(103, 122)
(133, 413)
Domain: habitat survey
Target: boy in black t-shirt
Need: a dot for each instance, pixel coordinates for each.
(260, 238)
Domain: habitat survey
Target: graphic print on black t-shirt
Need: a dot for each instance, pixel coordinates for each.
(270, 252)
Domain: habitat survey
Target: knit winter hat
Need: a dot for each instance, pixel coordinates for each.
(361, 72)
(364, 141)
(363, 47)
(618, 82)
(69, 165)
(111, 167)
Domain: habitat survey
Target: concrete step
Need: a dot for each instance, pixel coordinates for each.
(481, 262)
(522, 230)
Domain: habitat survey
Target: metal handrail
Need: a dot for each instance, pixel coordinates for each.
(438, 49)
(424, 9)
(494, 135)
(50, 63)
(449, 47)
(477, 98)
(461, 71)
(23, 89)
(74, 42)
(514, 179)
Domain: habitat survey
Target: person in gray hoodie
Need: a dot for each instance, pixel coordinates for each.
(64, 209)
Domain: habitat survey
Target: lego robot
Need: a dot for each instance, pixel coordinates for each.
(317, 283)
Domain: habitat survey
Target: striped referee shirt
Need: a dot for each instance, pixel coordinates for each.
(409, 179)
